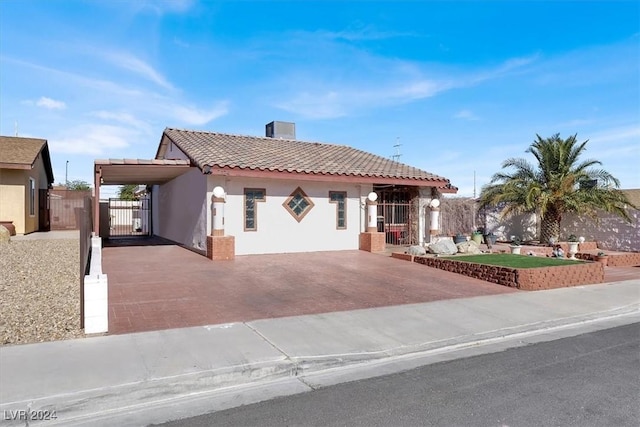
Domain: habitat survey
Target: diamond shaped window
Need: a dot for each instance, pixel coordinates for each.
(298, 204)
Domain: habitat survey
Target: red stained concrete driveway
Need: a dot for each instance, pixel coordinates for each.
(162, 287)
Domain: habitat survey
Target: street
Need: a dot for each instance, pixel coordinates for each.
(588, 380)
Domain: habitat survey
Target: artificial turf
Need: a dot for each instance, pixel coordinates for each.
(514, 261)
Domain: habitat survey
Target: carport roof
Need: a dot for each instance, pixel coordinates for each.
(139, 171)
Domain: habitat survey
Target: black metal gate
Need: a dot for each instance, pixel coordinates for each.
(129, 217)
(395, 221)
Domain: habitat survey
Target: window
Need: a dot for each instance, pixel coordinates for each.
(251, 197)
(339, 198)
(32, 197)
(298, 204)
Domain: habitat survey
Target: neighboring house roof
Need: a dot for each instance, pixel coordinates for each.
(22, 153)
(223, 153)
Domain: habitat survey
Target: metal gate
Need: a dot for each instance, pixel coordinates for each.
(395, 221)
(129, 217)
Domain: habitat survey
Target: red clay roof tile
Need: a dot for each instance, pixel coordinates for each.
(262, 153)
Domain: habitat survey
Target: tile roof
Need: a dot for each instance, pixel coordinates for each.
(283, 155)
(18, 151)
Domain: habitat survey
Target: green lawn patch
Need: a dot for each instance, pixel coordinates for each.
(513, 261)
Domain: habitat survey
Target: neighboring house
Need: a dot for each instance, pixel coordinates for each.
(281, 195)
(25, 177)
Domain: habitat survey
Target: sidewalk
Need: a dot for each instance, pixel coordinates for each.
(85, 379)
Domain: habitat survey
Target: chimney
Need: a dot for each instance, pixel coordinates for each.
(281, 130)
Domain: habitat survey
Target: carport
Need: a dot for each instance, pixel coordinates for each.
(132, 171)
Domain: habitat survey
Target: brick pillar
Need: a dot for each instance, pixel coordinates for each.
(371, 240)
(219, 246)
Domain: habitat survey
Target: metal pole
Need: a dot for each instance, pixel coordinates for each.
(66, 175)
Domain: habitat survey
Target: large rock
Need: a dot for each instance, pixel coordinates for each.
(470, 247)
(416, 250)
(443, 247)
(5, 235)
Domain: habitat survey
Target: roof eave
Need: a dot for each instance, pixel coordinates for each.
(443, 185)
(24, 166)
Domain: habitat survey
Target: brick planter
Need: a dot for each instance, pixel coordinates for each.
(522, 278)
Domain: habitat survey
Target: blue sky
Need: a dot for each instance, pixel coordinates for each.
(460, 85)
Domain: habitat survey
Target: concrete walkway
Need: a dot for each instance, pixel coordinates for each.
(48, 235)
(101, 379)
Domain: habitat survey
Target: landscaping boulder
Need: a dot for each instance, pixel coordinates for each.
(5, 235)
(443, 247)
(416, 250)
(470, 247)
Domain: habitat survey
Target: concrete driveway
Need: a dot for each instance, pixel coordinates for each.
(167, 286)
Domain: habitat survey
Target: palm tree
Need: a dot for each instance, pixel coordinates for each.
(558, 184)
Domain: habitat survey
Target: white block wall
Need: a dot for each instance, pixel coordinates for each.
(179, 210)
(96, 293)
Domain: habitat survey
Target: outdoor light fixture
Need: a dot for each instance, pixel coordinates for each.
(206, 169)
(434, 203)
(218, 192)
(372, 196)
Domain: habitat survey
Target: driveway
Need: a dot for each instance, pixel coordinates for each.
(167, 286)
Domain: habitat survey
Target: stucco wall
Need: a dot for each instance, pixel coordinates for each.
(12, 197)
(278, 231)
(609, 231)
(180, 210)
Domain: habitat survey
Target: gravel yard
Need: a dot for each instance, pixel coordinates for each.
(39, 291)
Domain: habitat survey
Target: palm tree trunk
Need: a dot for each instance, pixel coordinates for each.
(550, 226)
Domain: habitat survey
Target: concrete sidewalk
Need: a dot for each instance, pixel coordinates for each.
(87, 380)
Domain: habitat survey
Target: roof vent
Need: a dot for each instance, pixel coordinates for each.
(281, 130)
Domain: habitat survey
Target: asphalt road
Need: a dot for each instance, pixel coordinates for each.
(587, 380)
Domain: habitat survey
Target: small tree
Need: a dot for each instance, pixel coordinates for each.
(78, 185)
(127, 192)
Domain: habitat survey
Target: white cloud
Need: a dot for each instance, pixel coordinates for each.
(159, 7)
(93, 139)
(195, 116)
(359, 32)
(129, 62)
(318, 106)
(122, 117)
(367, 90)
(466, 114)
(619, 134)
(50, 104)
(179, 42)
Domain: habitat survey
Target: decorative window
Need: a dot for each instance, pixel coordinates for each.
(298, 204)
(339, 198)
(32, 197)
(251, 197)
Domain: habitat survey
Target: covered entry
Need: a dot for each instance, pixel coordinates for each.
(397, 215)
(130, 218)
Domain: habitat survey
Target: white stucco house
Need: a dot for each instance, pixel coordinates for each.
(275, 194)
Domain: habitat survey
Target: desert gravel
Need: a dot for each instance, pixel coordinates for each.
(39, 291)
